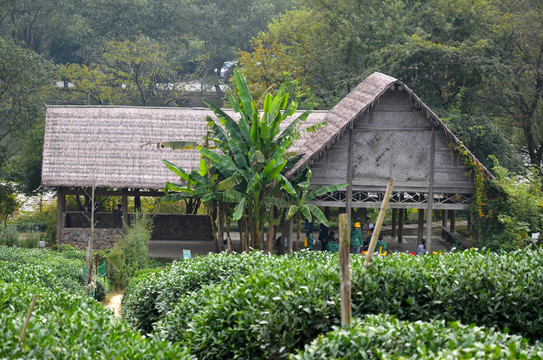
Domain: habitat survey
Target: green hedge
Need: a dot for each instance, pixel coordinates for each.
(385, 337)
(150, 296)
(286, 301)
(66, 326)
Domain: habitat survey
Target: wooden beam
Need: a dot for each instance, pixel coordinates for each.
(344, 271)
(430, 191)
(394, 221)
(117, 192)
(420, 227)
(378, 224)
(349, 194)
(400, 225)
(61, 210)
(453, 221)
(444, 215)
(125, 208)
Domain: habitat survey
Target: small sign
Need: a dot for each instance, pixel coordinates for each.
(535, 236)
(186, 254)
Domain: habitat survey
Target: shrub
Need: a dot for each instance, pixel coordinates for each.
(66, 326)
(151, 296)
(378, 337)
(9, 236)
(130, 253)
(286, 301)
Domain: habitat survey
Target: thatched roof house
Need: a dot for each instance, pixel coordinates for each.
(102, 145)
(380, 130)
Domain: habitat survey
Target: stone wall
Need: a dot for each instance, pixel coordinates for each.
(103, 238)
(165, 227)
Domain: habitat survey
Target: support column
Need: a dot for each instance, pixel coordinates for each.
(61, 209)
(393, 225)
(137, 200)
(453, 221)
(420, 226)
(430, 191)
(125, 207)
(444, 215)
(349, 194)
(288, 233)
(400, 225)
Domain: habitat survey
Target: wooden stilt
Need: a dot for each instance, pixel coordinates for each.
(453, 221)
(61, 210)
(344, 271)
(400, 225)
(394, 221)
(420, 227)
(444, 214)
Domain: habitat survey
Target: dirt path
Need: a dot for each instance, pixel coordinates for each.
(114, 304)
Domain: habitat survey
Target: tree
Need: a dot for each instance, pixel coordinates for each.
(24, 78)
(252, 153)
(140, 72)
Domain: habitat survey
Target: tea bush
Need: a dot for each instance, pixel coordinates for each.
(383, 336)
(67, 326)
(151, 296)
(283, 303)
(278, 307)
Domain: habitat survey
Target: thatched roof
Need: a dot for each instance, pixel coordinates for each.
(101, 145)
(353, 107)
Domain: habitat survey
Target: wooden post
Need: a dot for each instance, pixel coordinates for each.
(394, 221)
(27, 319)
(400, 225)
(379, 223)
(61, 209)
(124, 201)
(288, 234)
(444, 214)
(349, 194)
(344, 271)
(420, 226)
(430, 192)
(137, 200)
(453, 221)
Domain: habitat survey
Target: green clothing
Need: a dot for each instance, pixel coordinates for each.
(381, 243)
(356, 237)
(332, 247)
(310, 241)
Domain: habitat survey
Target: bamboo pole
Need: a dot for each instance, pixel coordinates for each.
(344, 271)
(28, 319)
(379, 223)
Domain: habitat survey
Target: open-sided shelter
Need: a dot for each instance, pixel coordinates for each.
(379, 131)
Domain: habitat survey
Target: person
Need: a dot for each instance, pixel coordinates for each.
(356, 239)
(367, 232)
(309, 240)
(421, 248)
(323, 236)
(381, 245)
(332, 245)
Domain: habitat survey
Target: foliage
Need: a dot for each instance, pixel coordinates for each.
(133, 72)
(507, 221)
(152, 295)
(269, 66)
(380, 336)
(287, 301)
(8, 202)
(64, 323)
(253, 153)
(130, 252)
(9, 236)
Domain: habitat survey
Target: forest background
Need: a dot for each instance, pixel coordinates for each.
(477, 63)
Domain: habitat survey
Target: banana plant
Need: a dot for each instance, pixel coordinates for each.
(302, 195)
